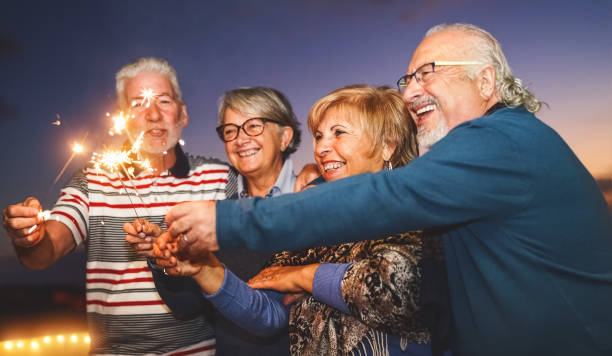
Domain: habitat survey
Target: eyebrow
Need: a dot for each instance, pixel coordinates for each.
(155, 96)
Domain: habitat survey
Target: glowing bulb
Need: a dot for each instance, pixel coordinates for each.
(19, 344)
(87, 339)
(8, 345)
(60, 338)
(47, 339)
(73, 338)
(34, 345)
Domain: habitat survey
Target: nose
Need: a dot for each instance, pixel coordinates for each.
(322, 147)
(152, 113)
(242, 137)
(412, 91)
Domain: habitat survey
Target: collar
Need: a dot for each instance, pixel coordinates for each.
(284, 182)
(180, 169)
(494, 108)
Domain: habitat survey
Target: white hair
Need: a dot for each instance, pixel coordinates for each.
(148, 64)
(488, 50)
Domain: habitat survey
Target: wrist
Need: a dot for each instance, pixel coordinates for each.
(210, 278)
(308, 273)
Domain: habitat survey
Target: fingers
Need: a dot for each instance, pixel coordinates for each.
(28, 240)
(151, 229)
(130, 229)
(166, 262)
(176, 212)
(20, 211)
(21, 223)
(32, 203)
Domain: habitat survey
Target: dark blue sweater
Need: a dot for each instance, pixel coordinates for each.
(528, 235)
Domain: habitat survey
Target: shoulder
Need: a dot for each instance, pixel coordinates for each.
(201, 161)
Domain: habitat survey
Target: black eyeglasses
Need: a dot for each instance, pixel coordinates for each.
(422, 74)
(251, 127)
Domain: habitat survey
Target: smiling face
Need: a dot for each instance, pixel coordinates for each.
(448, 98)
(342, 148)
(162, 121)
(257, 156)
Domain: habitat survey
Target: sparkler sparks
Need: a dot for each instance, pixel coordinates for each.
(42, 216)
(119, 123)
(147, 95)
(76, 149)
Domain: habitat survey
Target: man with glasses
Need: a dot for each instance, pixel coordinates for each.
(125, 312)
(527, 233)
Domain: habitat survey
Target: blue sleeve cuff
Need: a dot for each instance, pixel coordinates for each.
(327, 285)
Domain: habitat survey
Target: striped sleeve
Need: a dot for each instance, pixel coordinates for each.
(72, 207)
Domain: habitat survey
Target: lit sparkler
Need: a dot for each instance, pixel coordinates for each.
(76, 149)
(43, 215)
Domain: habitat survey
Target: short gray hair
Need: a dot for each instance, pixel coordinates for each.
(266, 103)
(147, 64)
(488, 50)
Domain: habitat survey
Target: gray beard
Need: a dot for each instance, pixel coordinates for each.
(426, 139)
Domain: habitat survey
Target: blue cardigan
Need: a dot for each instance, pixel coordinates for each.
(528, 235)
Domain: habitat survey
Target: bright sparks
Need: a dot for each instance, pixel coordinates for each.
(147, 95)
(44, 215)
(119, 123)
(77, 148)
(111, 160)
(137, 143)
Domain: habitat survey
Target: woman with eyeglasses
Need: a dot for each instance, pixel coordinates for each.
(355, 298)
(260, 132)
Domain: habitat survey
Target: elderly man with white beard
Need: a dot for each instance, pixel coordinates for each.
(527, 233)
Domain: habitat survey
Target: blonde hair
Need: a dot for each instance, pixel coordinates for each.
(148, 64)
(266, 103)
(381, 113)
(488, 50)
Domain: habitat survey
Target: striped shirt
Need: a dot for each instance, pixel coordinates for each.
(125, 313)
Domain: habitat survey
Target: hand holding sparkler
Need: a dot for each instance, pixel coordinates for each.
(142, 234)
(23, 222)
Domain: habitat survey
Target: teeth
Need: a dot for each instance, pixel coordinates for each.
(247, 153)
(333, 165)
(156, 131)
(425, 109)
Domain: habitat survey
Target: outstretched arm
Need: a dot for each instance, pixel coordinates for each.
(259, 312)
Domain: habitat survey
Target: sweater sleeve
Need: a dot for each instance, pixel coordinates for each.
(474, 172)
(260, 312)
(327, 285)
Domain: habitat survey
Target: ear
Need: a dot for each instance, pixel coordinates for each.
(184, 116)
(388, 150)
(486, 82)
(286, 137)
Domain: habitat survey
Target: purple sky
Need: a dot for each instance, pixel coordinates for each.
(60, 57)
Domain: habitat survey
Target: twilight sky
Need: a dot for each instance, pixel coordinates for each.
(60, 57)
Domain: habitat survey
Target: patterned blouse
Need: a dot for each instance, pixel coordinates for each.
(381, 289)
